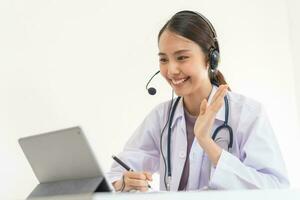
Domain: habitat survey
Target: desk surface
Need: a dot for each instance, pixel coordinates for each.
(210, 195)
(203, 195)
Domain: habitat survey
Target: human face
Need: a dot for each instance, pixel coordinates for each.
(182, 63)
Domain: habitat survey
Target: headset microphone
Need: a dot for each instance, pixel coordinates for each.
(151, 90)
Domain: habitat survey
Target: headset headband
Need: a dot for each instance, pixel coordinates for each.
(212, 29)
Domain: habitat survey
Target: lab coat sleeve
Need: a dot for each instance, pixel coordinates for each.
(260, 165)
(141, 152)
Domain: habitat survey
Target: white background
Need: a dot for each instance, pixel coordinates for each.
(65, 63)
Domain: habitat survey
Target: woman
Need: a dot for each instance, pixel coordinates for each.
(249, 158)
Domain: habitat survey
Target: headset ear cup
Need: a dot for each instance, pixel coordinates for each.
(214, 58)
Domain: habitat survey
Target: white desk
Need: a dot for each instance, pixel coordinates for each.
(202, 195)
(209, 195)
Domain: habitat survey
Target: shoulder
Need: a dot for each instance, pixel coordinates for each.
(245, 104)
(247, 114)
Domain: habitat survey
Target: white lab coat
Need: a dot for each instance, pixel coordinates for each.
(254, 161)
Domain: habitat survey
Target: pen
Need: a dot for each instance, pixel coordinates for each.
(120, 162)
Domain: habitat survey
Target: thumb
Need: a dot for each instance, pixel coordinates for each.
(203, 106)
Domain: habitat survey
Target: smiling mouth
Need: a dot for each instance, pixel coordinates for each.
(179, 81)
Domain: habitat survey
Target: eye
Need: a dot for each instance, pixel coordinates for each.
(163, 60)
(182, 57)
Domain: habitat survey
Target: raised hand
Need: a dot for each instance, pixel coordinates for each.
(206, 118)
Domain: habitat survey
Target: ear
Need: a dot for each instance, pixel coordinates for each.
(207, 63)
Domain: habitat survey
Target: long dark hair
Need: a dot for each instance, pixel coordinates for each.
(191, 25)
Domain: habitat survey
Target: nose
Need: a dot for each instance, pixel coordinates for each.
(173, 69)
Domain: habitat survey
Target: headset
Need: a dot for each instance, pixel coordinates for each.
(213, 57)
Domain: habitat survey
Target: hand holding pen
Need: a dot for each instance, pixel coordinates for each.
(132, 180)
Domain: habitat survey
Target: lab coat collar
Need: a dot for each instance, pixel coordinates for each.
(179, 113)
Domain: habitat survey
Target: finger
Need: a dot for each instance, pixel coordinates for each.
(135, 175)
(218, 93)
(148, 176)
(215, 107)
(136, 183)
(222, 89)
(203, 106)
(222, 94)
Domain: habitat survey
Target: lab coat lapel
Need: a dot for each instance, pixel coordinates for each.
(179, 140)
(179, 148)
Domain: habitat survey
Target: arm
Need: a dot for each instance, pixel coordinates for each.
(141, 153)
(261, 165)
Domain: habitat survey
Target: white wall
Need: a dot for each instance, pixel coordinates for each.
(294, 16)
(65, 63)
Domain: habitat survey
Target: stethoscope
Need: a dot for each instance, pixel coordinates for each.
(171, 112)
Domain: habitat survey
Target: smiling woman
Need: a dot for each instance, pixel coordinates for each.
(215, 138)
(199, 38)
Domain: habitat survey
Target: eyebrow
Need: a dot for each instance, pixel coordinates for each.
(176, 52)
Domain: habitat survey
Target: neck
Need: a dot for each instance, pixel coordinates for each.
(193, 101)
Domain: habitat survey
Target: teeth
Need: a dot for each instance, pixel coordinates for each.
(178, 82)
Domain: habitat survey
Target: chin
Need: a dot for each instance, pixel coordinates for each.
(181, 92)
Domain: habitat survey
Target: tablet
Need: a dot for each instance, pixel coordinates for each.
(64, 163)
